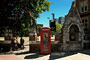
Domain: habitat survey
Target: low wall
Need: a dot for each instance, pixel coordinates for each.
(26, 39)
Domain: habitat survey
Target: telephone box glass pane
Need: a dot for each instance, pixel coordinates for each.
(45, 41)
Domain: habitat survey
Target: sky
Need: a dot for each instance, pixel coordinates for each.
(59, 7)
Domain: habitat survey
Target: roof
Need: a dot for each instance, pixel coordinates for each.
(45, 28)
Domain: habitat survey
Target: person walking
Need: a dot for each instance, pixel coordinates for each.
(14, 44)
(22, 43)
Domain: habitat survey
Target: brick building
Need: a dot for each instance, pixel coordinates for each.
(83, 7)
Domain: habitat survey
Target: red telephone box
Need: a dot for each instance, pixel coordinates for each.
(45, 44)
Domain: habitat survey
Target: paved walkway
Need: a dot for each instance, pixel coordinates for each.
(25, 55)
(9, 57)
(79, 55)
(54, 56)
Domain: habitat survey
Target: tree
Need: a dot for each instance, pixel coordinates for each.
(39, 29)
(5, 13)
(58, 27)
(11, 8)
(34, 6)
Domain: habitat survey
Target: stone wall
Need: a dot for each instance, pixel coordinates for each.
(72, 31)
(34, 48)
(73, 46)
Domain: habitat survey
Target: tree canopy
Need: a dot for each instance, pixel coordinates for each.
(26, 10)
(58, 27)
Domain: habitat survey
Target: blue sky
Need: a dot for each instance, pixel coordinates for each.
(59, 7)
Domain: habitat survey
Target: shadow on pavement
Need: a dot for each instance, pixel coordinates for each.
(87, 52)
(26, 52)
(53, 55)
(58, 55)
(34, 55)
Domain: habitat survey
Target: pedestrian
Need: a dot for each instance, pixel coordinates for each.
(22, 43)
(14, 45)
(17, 43)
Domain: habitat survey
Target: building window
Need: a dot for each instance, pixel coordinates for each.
(85, 25)
(82, 9)
(87, 37)
(83, 6)
(85, 29)
(86, 21)
(82, 21)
